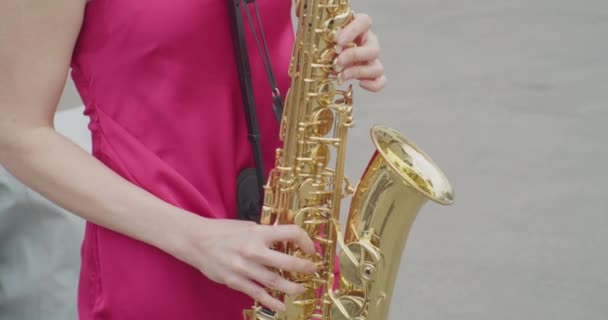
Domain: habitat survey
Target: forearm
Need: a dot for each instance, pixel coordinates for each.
(66, 174)
(34, 65)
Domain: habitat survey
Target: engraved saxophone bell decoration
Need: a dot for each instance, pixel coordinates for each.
(306, 188)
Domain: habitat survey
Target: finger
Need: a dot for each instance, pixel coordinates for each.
(273, 280)
(291, 233)
(255, 291)
(370, 51)
(373, 85)
(278, 260)
(354, 29)
(368, 71)
(362, 38)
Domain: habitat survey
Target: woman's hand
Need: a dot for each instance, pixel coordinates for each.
(362, 61)
(237, 254)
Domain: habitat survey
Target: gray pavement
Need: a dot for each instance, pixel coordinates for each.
(509, 97)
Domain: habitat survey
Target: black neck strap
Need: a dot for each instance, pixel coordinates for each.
(242, 62)
(277, 103)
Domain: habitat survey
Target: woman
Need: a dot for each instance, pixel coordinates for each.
(161, 90)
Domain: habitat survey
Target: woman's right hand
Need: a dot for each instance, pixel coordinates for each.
(238, 254)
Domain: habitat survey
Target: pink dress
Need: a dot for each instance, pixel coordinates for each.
(160, 86)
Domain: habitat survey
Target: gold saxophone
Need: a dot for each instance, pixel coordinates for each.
(303, 188)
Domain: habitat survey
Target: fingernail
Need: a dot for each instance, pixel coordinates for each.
(338, 67)
(312, 250)
(340, 80)
(281, 307)
(301, 290)
(312, 268)
(343, 77)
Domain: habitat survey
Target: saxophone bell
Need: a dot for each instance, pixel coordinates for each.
(398, 181)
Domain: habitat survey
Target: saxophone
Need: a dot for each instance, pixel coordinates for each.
(305, 189)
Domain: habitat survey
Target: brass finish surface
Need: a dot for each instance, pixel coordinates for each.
(307, 185)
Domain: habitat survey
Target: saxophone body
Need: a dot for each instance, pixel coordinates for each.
(307, 185)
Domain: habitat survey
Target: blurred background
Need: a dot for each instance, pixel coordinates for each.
(509, 98)
(70, 98)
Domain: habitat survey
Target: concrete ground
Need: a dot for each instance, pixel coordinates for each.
(509, 97)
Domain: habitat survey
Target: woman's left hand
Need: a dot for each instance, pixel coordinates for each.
(361, 62)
